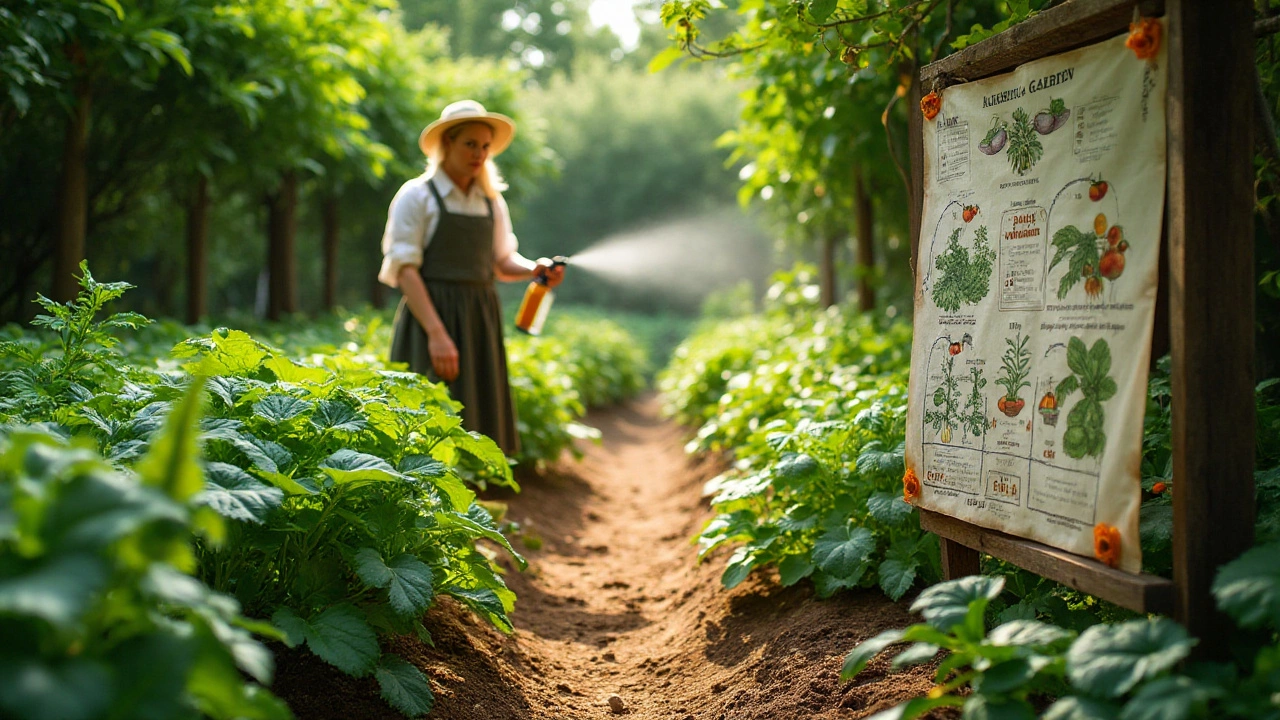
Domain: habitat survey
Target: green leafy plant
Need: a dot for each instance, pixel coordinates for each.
(1084, 435)
(1080, 250)
(949, 415)
(1025, 149)
(963, 279)
(100, 615)
(1014, 369)
(1123, 670)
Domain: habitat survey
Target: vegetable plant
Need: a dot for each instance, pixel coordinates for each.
(1084, 435)
(1080, 250)
(1025, 149)
(974, 418)
(963, 279)
(1125, 670)
(1015, 366)
(949, 414)
(99, 611)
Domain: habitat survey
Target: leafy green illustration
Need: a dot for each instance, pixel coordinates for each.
(1084, 436)
(1080, 249)
(963, 279)
(1016, 365)
(949, 415)
(1025, 149)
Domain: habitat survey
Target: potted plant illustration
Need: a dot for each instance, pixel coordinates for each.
(1013, 375)
(1090, 367)
(1049, 407)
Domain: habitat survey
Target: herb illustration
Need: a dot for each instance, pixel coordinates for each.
(1056, 116)
(947, 398)
(1013, 374)
(949, 414)
(1084, 436)
(964, 279)
(1025, 149)
(974, 418)
(996, 137)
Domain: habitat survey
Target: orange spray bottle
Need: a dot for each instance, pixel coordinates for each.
(537, 300)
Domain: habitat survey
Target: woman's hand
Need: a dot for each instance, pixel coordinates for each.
(554, 273)
(444, 355)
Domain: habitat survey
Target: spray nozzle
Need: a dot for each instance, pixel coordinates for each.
(540, 274)
(559, 261)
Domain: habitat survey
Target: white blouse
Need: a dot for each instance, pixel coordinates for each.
(414, 215)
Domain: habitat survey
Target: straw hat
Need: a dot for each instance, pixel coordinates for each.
(468, 111)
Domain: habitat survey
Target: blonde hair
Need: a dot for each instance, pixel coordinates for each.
(490, 179)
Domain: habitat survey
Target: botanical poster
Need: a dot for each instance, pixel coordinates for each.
(1035, 297)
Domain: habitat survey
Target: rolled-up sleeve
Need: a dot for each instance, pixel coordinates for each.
(404, 238)
(504, 241)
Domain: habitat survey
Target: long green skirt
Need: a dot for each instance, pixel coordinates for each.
(473, 318)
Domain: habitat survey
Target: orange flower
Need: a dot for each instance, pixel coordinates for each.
(930, 105)
(910, 486)
(1106, 543)
(1159, 488)
(1144, 38)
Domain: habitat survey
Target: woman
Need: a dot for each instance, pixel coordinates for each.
(448, 237)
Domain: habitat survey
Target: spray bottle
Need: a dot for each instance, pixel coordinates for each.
(537, 299)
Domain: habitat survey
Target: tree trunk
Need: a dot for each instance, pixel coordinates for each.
(866, 263)
(197, 251)
(73, 206)
(329, 217)
(827, 271)
(282, 228)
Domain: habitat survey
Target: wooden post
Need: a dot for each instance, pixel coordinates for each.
(197, 249)
(1211, 304)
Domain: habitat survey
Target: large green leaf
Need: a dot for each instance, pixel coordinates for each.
(404, 686)
(1248, 588)
(348, 467)
(1109, 660)
(1027, 633)
(340, 636)
(407, 579)
(889, 508)
(985, 707)
(739, 567)
(337, 415)
(897, 575)
(820, 10)
(477, 523)
(947, 604)
(844, 551)
(289, 371)
(171, 464)
(237, 495)
(59, 591)
(151, 673)
(279, 409)
(862, 654)
(793, 569)
(1170, 698)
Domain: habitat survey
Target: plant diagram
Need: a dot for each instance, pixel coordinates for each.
(1016, 365)
(963, 278)
(949, 414)
(1090, 368)
(1085, 260)
(1025, 149)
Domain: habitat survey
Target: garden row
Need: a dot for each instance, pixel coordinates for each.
(812, 405)
(165, 508)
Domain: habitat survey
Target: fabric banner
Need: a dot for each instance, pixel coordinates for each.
(1035, 299)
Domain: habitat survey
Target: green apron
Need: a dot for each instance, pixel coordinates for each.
(457, 268)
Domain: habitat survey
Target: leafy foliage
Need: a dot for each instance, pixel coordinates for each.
(816, 422)
(1015, 365)
(100, 615)
(1084, 435)
(1025, 149)
(1128, 670)
(963, 279)
(1080, 250)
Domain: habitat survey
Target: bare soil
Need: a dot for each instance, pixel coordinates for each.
(613, 603)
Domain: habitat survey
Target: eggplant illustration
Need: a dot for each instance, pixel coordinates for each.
(996, 137)
(1046, 121)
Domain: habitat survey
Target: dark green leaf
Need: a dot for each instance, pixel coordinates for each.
(1081, 708)
(335, 415)
(820, 10)
(897, 577)
(407, 579)
(947, 604)
(844, 551)
(1006, 676)
(78, 689)
(793, 569)
(404, 686)
(889, 508)
(279, 409)
(921, 652)
(1109, 660)
(58, 592)
(1169, 698)
(1027, 633)
(237, 495)
(340, 636)
(983, 707)
(351, 467)
(1248, 588)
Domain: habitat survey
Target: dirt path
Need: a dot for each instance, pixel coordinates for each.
(612, 603)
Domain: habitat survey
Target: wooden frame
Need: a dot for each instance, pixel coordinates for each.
(1208, 281)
